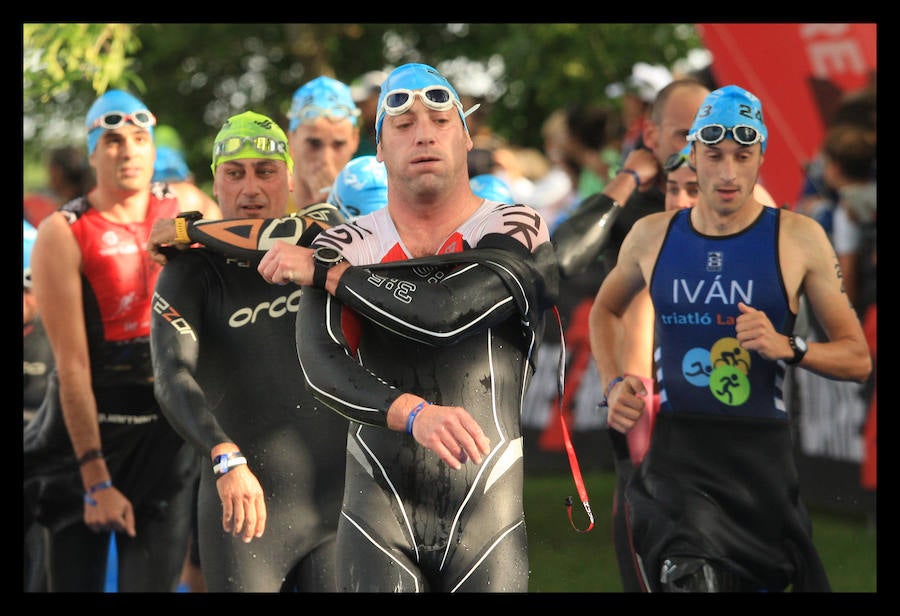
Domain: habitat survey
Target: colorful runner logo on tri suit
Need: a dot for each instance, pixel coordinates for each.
(724, 370)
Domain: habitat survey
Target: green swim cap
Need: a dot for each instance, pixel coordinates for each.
(251, 135)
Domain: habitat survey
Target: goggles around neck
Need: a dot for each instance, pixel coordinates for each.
(308, 113)
(711, 134)
(438, 98)
(116, 119)
(263, 145)
(676, 160)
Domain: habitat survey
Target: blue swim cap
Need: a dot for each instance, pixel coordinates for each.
(29, 234)
(112, 100)
(322, 96)
(730, 106)
(170, 165)
(415, 77)
(491, 187)
(360, 187)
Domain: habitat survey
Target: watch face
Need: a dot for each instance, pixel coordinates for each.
(328, 255)
(801, 344)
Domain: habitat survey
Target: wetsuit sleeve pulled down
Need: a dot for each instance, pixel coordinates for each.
(251, 237)
(474, 289)
(175, 331)
(581, 238)
(485, 286)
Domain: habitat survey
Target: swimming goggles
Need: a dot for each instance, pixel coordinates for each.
(263, 145)
(711, 134)
(308, 113)
(676, 160)
(116, 119)
(438, 98)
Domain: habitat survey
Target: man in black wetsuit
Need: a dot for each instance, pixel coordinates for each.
(226, 378)
(432, 362)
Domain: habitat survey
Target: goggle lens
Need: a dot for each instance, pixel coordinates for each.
(263, 145)
(675, 161)
(711, 134)
(116, 119)
(438, 98)
(337, 113)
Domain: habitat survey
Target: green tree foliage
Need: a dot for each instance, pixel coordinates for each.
(193, 76)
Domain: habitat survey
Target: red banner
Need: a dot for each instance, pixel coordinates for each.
(799, 71)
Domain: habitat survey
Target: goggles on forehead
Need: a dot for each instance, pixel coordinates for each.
(439, 98)
(711, 134)
(116, 119)
(263, 145)
(676, 160)
(308, 113)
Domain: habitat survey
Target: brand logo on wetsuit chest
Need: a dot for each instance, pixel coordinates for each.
(278, 307)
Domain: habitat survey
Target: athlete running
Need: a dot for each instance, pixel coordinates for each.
(714, 505)
(226, 378)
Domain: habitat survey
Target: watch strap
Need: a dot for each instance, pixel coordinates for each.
(320, 274)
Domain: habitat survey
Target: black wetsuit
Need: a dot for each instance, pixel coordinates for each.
(147, 460)
(460, 329)
(226, 370)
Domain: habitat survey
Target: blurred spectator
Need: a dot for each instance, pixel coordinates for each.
(68, 176)
(360, 187)
(848, 156)
(37, 362)
(481, 161)
(638, 93)
(518, 168)
(37, 356)
(595, 135)
(556, 191)
(365, 90)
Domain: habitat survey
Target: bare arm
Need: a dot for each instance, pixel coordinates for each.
(810, 266)
(56, 280)
(616, 349)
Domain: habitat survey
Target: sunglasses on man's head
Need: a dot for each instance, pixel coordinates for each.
(263, 145)
(116, 119)
(308, 113)
(711, 134)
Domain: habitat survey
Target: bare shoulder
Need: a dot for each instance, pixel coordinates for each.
(652, 225)
(804, 231)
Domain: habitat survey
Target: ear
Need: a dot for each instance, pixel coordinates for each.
(651, 135)
(378, 155)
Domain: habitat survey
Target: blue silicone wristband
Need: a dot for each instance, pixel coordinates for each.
(96, 488)
(412, 415)
(609, 387)
(634, 174)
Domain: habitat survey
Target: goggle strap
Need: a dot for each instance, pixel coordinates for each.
(471, 109)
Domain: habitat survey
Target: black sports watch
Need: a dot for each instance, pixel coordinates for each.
(324, 258)
(799, 347)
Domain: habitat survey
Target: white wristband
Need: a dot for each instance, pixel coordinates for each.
(227, 461)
